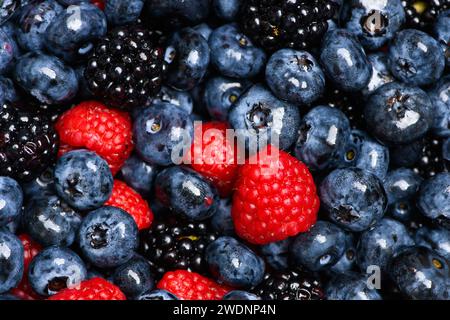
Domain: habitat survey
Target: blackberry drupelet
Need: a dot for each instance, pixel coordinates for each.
(276, 24)
(430, 162)
(290, 285)
(174, 244)
(421, 14)
(28, 143)
(127, 66)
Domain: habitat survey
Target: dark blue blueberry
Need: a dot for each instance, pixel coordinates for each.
(221, 93)
(139, 174)
(184, 11)
(11, 198)
(324, 133)
(50, 221)
(416, 58)
(421, 274)
(380, 72)
(348, 260)
(437, 239)
(161, 133)
(354, 199)
(295, 76)
(240, 295)
(72, 34)
(7, 91)
(120, 12)
(233, 263)
(401, 184)
(177, 98)
(344, 61)
(41, 186)
(187, 193)
(7, 52)
(434, 198)
(365, 153)
(440, 97)
(134, 277)
(398, 114)
(442, 33)
(221, 221)
(33, 21)
(187, 55)
(204, 30)
(157, 295)
(7, 9)
(260, 118)
(14, 225)
(319, 248)
(377, 246)
(233, 53)
(108, 237)
(351, 286)
(67, 3)
(46, 78)
(8, 297)
(226, 9)
(83, 179)
(11, 261)
(375, 22)
(55, 268)
(276, 254)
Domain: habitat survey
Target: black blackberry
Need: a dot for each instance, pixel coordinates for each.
(421, 14)
(430, 161)
(28, 143)
(290, 285)
(127, 66)
(176, 244)
(275, 24)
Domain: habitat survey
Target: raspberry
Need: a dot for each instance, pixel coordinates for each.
(214, 156)
(94, 126)
(275, 198)
(191, 286)
(129, 200)
(93, 289)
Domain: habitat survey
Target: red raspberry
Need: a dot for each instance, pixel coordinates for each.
(214, 156)
(94, 126)
(188, 285)
(127, 199)
(275, 198)
(99, 3)
(93, 289)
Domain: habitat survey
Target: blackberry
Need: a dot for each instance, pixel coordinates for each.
(276, 24)
(126, 66)
(290, 285)
(28, 143)
(430, 161)
(176, 244)
(421, 14)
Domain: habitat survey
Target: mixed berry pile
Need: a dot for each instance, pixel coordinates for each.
(334, 183)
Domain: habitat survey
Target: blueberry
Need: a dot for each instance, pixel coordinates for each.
(295, 76)
(416, 58)
(440, 97)
(234, 263)
(365, 153)
(375, 23)
(260, 118)
(398, 114)
(67, 3)
(46, 78)
(7, 9)
(83, 179)
(134, 277)
(354, 199)
(401, 184)
(187, 55)
(324, 133)
(233, 53)
(186, 193)
(177, 98)
(226, 9)
(160, 131)
(157, 294)
(441, 31)
(240, 295)
(55, 268)
(320, 247)
(380, 72)
(434, 198)
(139, 175)
(377, 245)
(204, 30)
(120, 12)
(8, 297)
(221, 93)
(347, 261)
(406, 155)
(221, 221)
(421, 274)
(276, 254)
(344, 61)
(41, 186)
(437, 239)
(181, 11)
(7, 52)
(11, 261)
(11, 198)
(7, 91)
(72, 34)
(14, 225)
(33, 21)
(108, 237)
(350, 286)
